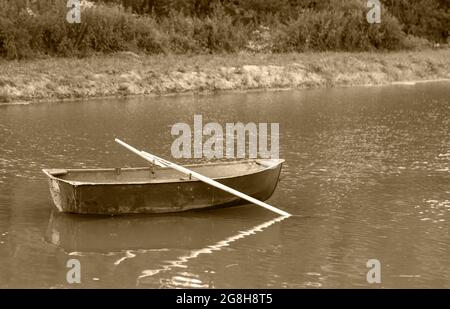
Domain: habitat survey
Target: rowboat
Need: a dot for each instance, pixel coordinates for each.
(156, 189)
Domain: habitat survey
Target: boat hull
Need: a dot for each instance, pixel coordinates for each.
(159, 197)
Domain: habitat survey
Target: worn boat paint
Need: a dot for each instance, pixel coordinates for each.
(159, 189)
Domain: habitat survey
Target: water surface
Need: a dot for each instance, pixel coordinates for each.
(367, 175)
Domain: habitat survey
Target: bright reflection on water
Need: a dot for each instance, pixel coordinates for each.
(366, 176)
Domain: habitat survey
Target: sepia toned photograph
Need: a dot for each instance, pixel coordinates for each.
(224, 144)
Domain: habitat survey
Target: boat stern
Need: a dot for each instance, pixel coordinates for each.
(55, 186)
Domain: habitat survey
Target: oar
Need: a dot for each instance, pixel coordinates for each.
(162, 162)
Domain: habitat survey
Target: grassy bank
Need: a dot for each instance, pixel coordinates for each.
(130, 74)
(141, 47)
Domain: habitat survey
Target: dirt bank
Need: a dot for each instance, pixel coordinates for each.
(130, 74)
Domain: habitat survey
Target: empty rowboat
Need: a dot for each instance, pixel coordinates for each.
(155, 189)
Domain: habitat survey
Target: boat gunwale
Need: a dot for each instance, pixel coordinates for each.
(275, 163)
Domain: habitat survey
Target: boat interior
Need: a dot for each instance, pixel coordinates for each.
(161, 174)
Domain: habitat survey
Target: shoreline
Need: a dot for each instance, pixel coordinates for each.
(127, 74)
(256, 90)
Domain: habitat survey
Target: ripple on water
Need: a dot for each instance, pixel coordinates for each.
(186, 280)
(434, 211)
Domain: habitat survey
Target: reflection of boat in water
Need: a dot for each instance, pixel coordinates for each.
(176, 231)
(159, 247)
(160, 189)
(148, 276)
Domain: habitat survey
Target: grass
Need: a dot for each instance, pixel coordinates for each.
(129, 74)
(4, 95)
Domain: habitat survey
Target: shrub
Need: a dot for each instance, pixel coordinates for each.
(416, 43)
(195, 26)
(345, 28)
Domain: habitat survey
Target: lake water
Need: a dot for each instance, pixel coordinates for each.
(367, 176)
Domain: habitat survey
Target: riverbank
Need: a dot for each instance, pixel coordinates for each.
(126, 73)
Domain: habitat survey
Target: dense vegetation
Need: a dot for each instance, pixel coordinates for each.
(35, 28)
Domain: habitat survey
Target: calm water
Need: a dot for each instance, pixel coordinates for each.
(367, 175)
